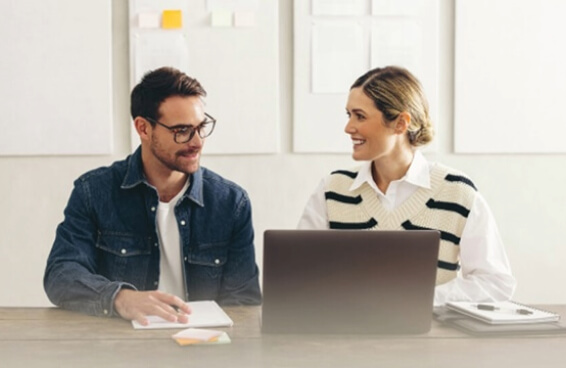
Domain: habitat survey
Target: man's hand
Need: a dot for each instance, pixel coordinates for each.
(136, 305)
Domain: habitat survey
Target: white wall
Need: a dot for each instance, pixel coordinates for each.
(525, 191)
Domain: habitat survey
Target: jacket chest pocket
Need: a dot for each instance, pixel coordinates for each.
(123, 256)
(206, 261)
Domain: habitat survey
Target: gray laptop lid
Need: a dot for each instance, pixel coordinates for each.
(349, 281)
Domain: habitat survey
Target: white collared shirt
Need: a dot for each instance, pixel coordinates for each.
(485, 274)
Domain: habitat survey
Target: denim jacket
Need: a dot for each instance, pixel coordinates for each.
(108, 240)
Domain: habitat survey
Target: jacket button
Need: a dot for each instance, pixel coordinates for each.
(152, 208)
(186, 259)
(217, 261)
(123, 251)
(183, 222)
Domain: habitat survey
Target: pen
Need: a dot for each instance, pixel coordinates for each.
(488, 307)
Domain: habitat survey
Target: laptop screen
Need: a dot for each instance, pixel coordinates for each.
(349, 281)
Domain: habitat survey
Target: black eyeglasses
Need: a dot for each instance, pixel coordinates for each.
(184, 133)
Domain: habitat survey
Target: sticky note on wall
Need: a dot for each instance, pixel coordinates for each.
(148, 20)
(172, 19)
(244, 19)
(221, 18)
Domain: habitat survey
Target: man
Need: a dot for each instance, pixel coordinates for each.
(150, 232)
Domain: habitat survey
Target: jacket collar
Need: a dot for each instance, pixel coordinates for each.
(135, 176)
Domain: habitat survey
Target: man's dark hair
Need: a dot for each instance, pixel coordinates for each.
(156, 86)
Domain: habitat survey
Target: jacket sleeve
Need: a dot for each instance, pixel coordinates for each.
(71, 280)
(240, 279)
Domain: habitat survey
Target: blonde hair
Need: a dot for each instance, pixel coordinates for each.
(395, 90)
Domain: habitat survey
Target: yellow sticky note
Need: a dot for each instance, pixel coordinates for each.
(172, 19)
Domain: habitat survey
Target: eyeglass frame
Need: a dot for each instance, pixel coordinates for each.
(192, 128)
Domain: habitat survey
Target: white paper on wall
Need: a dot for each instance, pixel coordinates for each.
(56, 78)
(337, 56)
(233, 5)
(339, 7)
(400, 32)
(397, 42)
(154, 50)
(510, 79)
(397, 7)
(242, 88)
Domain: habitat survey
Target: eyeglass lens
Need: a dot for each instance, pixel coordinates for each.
(185, 135)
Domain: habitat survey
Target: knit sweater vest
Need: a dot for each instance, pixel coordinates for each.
(444, 207)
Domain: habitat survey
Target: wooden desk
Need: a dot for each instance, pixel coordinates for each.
(50, 337)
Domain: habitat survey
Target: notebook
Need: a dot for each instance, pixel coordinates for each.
(349, 281)
(477, 327)
(507, 312)
(205, 313)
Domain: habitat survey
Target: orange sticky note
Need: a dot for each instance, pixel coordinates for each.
(172, 19)
(185, 342)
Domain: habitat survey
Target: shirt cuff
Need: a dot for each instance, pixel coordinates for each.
(108, 299)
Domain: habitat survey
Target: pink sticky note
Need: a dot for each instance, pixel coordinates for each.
(148, 20)
(244, 19)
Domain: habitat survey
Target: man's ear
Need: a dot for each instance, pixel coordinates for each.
(142, 127)
(402, 123)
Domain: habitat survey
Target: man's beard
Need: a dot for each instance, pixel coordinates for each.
(170, 163)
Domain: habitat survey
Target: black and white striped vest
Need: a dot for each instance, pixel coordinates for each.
(444, 207)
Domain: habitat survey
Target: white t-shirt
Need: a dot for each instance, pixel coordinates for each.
(171, 277)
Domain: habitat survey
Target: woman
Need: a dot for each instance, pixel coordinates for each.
(396, 188)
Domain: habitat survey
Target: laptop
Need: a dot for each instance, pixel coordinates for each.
(349, 281)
